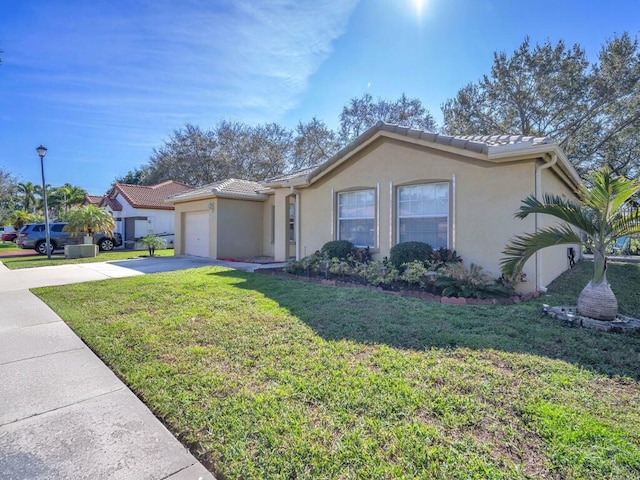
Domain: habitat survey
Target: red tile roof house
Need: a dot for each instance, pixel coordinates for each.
(141, 210)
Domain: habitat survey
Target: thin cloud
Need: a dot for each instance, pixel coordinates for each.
(226, 59)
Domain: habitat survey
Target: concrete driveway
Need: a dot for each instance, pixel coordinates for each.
(64, 414)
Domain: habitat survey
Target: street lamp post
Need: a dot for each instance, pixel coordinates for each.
(42, 151)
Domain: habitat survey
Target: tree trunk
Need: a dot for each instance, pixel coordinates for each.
(598, 301)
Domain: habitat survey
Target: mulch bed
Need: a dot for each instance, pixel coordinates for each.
(426, 296)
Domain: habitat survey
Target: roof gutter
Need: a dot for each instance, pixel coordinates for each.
(539, 169)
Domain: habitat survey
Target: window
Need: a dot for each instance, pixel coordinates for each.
(423, 214)
(292, 222)
(356, 217)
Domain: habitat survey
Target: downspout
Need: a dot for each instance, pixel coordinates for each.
(554, 160)
(296, 220)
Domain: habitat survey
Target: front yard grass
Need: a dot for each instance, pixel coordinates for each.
(14, 263)
(8, 246)
(269, 378)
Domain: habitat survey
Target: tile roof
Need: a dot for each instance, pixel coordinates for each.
(93, 199)
(288, 176)
(112, 203)
(229, 187)
(154, 196)
(482, 144)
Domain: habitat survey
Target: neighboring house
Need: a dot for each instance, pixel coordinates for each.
(142, 210)
(93, 200)
(390, 185)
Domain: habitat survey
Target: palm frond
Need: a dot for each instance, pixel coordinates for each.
(522, 247)
(606, 192)
(582, 218)
(626, 223)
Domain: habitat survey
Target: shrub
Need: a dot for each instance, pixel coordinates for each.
(378, 274)
(473, 283)
(407, 252)
(359, 255)
(415, 273)
(443, 256)
(339, 249)
(309, 265)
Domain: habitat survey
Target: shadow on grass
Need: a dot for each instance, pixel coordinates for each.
(370, 317)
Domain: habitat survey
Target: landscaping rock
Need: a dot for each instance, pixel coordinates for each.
(453, 301)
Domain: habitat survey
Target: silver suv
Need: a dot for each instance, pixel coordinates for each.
(33, 236)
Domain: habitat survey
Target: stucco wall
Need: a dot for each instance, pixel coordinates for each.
(554, 260)
(194, 206)
(483, 199)
(158, 221)
(268, 226)
(240, 228)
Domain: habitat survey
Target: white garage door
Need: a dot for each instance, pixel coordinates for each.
(196, 234)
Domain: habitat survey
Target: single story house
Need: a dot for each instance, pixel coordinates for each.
(391, 184)
(141, 210)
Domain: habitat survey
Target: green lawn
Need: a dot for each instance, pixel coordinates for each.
(7, 247)
(58, 259)
(270, 378)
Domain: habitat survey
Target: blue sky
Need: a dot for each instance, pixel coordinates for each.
(101, 83)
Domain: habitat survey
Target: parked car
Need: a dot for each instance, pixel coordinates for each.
(9, 236)
(8, 233)
(33, 236)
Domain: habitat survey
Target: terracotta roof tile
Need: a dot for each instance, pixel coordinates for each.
(154, 196)
(93, 199)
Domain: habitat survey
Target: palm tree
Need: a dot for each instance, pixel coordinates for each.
(27, 194)
(67, 196)
(603, 214)
(91, 219)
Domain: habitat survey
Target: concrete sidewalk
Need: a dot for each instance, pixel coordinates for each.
(63, 413)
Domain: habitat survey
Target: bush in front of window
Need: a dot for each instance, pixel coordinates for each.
(443, 257)
(457, 281)
(407, 252)
(339, 249)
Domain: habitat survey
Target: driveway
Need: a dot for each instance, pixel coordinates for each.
(11, 280)
(64, 414)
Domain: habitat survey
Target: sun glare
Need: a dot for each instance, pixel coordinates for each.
(418, 5)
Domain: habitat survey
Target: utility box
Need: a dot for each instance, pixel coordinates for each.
(80, 251)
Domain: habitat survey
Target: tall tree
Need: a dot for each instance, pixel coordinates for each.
(188, 156)
(314, 142)
(231, 149)
(7, 195)
(27, 196)
(593, 111)
(66, 197)
(362, 113)
(133, 177)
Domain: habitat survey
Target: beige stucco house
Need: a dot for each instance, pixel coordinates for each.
(392, 184)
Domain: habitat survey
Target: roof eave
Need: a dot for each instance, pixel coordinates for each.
(211, 194)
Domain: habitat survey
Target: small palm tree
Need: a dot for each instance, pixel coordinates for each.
(152, 243)
(602, 214)
(90, 219)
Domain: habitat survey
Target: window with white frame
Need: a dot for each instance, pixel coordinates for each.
(356, 217)
(423, 214)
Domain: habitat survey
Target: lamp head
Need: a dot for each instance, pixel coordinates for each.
(42, 151)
